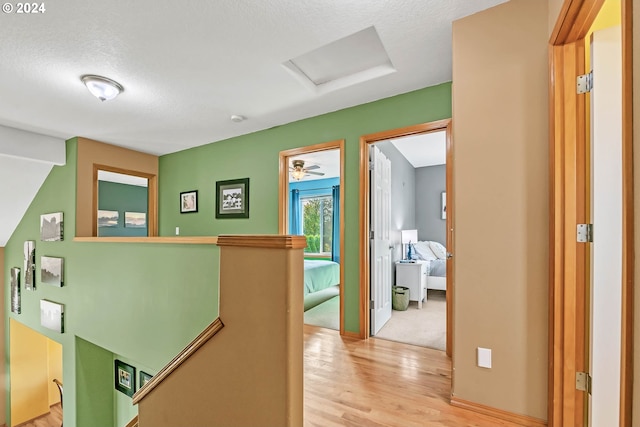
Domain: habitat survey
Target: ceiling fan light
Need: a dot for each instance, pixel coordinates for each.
(101, 87)
(298, 174)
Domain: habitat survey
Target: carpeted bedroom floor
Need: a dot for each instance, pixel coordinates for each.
(425, 327)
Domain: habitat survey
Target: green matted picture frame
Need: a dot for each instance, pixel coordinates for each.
(144, 378)
(232, 198)
(125, 377)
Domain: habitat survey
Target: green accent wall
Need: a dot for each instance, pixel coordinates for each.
(114, 196)
(256, 156)
(142, 302)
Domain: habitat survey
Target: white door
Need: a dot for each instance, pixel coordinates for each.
(606, 187)
(381, 241)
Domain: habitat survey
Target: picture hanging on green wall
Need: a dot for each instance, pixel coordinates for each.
(51, 270)
(16, 304)
(189, 201)
(52, 315)
(144, 378)
(232, 198)
(51, 227)
(125, 378)
(30, 265)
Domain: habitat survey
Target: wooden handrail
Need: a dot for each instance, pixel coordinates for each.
(263, 241)
(190, 240)
(189, 350)
(133, 422)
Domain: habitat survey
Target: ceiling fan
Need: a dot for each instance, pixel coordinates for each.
(298, 171)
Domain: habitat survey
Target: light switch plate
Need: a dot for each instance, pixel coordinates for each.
(484, 357)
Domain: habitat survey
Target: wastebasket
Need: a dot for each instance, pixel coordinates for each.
(399, 298)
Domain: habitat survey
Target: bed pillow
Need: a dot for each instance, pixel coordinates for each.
(422, 250)
(438, 250)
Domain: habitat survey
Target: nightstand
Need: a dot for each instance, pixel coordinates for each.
(413, 275)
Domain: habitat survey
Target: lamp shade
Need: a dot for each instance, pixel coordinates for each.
(409, 236)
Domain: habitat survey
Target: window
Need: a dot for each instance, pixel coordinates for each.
(317, 224)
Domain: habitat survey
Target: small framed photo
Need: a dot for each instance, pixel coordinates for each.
(52, 315)
(135, 219)
(232, 198)
(189, 201)
(16, 304)
(108, 218)
(444, 205)
(29, 265)
(51, 227)
(52, 270)
(125, 377)
(144, 378)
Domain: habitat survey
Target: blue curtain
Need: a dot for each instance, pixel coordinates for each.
(296, 220)
(335, 241)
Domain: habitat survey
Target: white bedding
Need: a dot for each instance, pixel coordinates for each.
(432, 251)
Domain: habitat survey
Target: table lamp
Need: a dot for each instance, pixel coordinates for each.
(409, 237)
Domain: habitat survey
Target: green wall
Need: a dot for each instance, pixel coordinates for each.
(114, 196)
(142, 302)
(256, 156)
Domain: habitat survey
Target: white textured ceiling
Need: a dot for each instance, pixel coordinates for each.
(187, 66)
(427, 149)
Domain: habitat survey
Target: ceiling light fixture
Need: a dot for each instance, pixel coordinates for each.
(237, 118)
(297, 172)
(101, 87)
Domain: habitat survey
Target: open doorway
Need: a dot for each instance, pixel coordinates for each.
(36, 361)
(406, 261)
(311, 204)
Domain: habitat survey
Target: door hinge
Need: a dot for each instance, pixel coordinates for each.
(584, 233)
(583, 382)
(584, 83)
(371, 234)
(371, 166)
(370, 304)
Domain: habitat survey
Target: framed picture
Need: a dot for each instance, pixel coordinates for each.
(30, 265)
(16, 304)
(144, 378)
(51, 227)
(108, 218)
(135, 219)
(444, 205)
(232, 198)
(189, 201)
(125, 378)
(52, 315)
(51, 270)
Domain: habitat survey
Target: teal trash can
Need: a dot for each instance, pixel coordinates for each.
(399, 298)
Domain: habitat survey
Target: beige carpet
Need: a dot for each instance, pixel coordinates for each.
(426, 327)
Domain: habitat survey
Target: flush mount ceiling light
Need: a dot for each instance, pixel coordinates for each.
(237, 118)
(101, 87)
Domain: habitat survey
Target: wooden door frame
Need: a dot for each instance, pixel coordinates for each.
(283, 200)
(365, 141)
(568, 154)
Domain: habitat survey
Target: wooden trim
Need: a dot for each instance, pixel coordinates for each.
(628, 231)
(574, 21)
(450, 240)
(283, 201)
(133, 422)
(190, 240)
(568, 326)
(522, 420)
(272, 241)
(189, 350)
(365, 140)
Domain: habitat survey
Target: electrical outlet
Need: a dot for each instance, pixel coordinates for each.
(177, 231)
(484, 357)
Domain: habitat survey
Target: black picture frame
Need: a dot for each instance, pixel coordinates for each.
(144, 378)
(232, 198)
(189, 201)
(124, 377)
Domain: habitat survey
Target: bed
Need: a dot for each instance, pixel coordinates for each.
(321, 282)
(436, 256)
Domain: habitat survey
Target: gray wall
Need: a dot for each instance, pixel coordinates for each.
(430, 183)
(403, 191)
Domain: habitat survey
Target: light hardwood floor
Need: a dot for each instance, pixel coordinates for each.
(376, 383)
(53, 419)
